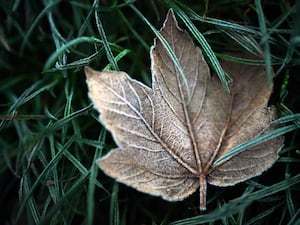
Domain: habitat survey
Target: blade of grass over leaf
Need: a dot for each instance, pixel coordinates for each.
(204, 44)
(265, 137)
(166, 46)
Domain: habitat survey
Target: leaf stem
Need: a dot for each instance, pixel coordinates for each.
(203, 187)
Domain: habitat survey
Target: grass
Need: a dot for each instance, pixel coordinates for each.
(50, 135)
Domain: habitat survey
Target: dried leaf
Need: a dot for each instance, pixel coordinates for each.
(170, 135)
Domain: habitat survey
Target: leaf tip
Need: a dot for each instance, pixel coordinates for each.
(89, 72)
(97, 161)
(170, 13)
(170, 20)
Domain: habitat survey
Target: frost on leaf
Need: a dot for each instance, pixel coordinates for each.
(170, 135)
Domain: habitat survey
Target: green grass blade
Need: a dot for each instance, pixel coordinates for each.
(222, 24)
(240, 203)
(265, 137)
(108, 50)
(92, 180)
(35, 23)
(118, 57)
(72, 43)
(289, 118)
(262, 215)
(61, 203)
(265, 40)
(244, 40)
(295, 220)
(114, 213)
(204, 44)
(167, 47)
(32, 209)
(134, 32)
(51, 164)
(77, 164)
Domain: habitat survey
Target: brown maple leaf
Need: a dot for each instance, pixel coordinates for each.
(170, 135)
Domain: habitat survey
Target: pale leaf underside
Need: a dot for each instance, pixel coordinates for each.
(168, 136)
